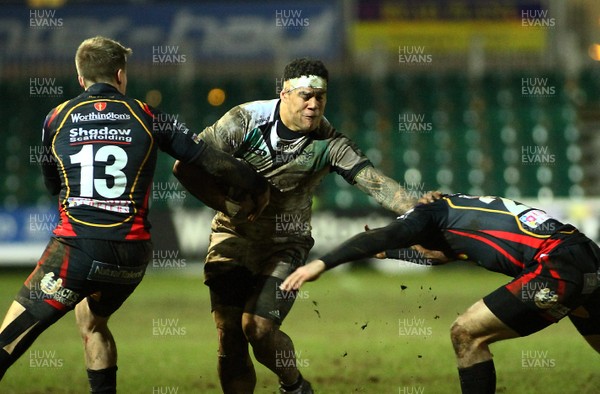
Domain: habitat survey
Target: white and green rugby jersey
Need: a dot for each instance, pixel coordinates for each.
(294, 167)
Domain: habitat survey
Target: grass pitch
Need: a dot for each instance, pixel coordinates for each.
(354, 332)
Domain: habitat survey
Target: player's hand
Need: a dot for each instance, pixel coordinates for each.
(430, 197)
(306, 273)
(380, 255)
(436, 256)
(248, 207)
(259, 202)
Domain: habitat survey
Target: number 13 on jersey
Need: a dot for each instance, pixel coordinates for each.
(87, 160)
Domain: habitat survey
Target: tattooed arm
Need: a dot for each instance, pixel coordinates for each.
(384, 190)
(348, 161)
(392, 196)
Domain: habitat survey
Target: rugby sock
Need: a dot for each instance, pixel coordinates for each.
(293, 386)
(5, 362)
(478, 379)
(103, 380)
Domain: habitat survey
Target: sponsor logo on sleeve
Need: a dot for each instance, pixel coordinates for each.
(534, 218)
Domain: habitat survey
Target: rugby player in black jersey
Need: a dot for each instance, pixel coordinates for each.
(102, 148)
(556, 271)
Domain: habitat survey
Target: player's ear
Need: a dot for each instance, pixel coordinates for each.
(121, 79)
(81, 81)
(120, 76)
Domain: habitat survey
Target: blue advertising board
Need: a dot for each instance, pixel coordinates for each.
(24, 233)
(254, 31)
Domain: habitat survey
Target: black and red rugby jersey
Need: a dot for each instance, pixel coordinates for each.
(103, 147)
(497, 233)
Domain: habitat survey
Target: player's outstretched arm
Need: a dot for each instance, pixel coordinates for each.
(384, 190)
(201, 185)
(234, 172)
(423, 256)
(360, 246)
(418, 255)
(306, 273)
(214, 194)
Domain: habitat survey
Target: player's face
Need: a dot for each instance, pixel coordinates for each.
(302, 108)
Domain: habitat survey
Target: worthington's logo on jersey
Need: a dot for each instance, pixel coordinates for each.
(103, 134)
(93, 116)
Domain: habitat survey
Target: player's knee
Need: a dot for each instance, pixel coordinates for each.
(257, 330)
(232, 342)
(228, 329)
(461, 336)
(87, 321)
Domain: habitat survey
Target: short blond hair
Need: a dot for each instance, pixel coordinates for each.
(99, 58)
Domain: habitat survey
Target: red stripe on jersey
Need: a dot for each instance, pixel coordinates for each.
(138, 230)
(55, 304)
(518, 238)
(56, 111)
(64, 227)
(65, 266)
(146, 109)
(516, 286)
(490, 243)
(47, 252)
(561, 283)
(99, 141)
(547, 247)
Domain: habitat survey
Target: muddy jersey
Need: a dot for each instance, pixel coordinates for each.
(293, 166)
(102, 149)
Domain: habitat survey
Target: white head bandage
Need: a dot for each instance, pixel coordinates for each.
(305, 81)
